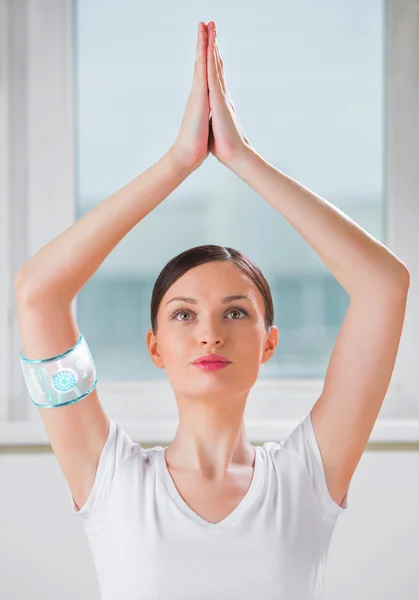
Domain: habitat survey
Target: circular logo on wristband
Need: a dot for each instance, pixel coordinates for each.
(64, 381)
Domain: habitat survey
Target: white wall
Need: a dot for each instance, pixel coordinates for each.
(44, 554)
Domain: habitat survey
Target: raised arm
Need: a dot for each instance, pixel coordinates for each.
(357, 260)
(61, 268)
(49, 281)
(377, 282)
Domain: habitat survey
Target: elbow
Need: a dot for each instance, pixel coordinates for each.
(401, 282)
(405, 276)
(24, 289)
(30, 292)
(18, 284)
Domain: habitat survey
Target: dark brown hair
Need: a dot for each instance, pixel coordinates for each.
(199, 255)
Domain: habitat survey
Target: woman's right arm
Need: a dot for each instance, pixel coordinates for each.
(49, 281)
(61, 268)
(44, 289)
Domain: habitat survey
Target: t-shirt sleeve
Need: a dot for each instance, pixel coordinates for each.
(118, 446)
(303, 442)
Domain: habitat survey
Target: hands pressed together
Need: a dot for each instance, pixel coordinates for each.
(221, 133)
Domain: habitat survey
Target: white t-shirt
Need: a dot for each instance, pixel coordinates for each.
(147, 544)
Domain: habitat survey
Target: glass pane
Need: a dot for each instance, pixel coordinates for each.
(308, 86)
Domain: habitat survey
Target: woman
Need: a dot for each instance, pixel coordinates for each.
(211, 516)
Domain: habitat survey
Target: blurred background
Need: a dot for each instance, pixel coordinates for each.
(93, 95)
(307, 80)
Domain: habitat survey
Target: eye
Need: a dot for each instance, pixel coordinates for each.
(231, 309)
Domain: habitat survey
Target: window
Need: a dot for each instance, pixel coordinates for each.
(321, 92)
(315, 108)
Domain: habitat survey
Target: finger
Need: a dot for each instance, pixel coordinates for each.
(214, 41)
(220, 70)
(220, 66)
(213, 76)
(201, 54)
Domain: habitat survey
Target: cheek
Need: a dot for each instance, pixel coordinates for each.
(177, 346)
(249, 339)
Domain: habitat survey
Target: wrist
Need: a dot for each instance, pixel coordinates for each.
(242, 160)
(178, 163)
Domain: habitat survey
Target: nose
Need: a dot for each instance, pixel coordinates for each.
(210, 341)
(210, 337)
(209, 332)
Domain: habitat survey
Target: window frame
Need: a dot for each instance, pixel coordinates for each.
(37, 130)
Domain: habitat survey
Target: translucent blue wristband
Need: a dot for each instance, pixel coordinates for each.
(60, 380)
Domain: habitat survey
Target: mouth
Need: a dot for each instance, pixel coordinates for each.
(211, 358)
(211, 365)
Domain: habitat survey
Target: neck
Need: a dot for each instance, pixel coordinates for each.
(210, 442)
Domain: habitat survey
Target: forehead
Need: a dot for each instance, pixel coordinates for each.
(213, 281)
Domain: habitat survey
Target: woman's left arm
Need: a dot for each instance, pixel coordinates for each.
(365, 350)
(364, 354)
(358, 261)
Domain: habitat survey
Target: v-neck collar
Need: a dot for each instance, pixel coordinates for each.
(234, 516)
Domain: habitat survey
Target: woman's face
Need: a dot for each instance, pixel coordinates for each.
(234, 329)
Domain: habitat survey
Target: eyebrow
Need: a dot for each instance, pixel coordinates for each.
(223, 301)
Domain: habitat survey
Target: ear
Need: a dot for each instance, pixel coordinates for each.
(270, 344)
(152, 346)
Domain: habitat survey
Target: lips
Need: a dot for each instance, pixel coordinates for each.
(212, 366)
(211, 358)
